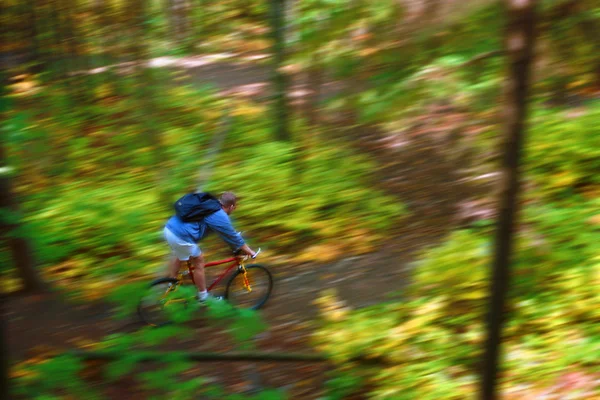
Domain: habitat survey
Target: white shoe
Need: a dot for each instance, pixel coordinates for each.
(210, 296)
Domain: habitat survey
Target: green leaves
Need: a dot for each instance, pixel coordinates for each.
(123, 366)
(563, 151)
(242, 324)
(330, 201)
(59, 373)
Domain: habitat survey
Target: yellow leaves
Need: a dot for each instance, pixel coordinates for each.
(103, 91)
(398, 334)
(10, 284)
(24, 85)
(368, 51)
(564, 179)
(331, 307)
(595, 220)
(321, 253)
(577, 83)
(95, 290)
(73, 273)
(361, 241)
(248, 109)
(42, 355)
(291, 69)
(473, 293)
(67, 270)
(414, 325)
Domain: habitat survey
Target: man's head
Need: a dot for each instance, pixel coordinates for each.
(228, 202)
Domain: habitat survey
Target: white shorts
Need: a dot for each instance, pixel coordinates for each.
(181, 249)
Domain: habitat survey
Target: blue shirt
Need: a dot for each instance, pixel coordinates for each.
(193, 232)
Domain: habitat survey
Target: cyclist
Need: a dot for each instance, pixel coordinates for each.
(183, 236)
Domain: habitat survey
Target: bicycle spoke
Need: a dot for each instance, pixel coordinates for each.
(250, 289)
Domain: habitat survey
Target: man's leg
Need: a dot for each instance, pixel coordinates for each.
(173, 268)
(199, 278)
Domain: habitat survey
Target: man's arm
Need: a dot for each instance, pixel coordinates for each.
(247, 250)
(220, 223)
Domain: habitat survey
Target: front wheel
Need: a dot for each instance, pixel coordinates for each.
(249, 290)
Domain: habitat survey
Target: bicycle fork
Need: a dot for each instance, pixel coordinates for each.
(246, 280)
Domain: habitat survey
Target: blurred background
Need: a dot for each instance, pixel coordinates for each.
(364, 140)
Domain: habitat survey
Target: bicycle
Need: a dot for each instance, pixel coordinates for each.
(243, 280)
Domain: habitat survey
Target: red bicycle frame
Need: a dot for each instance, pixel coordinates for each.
(234, 263)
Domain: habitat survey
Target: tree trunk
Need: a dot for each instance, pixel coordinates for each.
(430, 18)
(198, 22)
(39, 61)
(314, 81)
(79, 65)
(519, 44)
(279, 80)
(590, 27)
(4, 363)
(62, 58)
(10, 232)
(146, 87)
(178, 20)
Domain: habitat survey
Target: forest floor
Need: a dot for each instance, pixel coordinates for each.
(415, 167)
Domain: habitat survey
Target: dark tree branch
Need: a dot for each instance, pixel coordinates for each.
(156, 356)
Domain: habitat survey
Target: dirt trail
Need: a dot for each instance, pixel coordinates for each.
(413, 169)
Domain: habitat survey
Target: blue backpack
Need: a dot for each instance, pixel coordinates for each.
(193, 207)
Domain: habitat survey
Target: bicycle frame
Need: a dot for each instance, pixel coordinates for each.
(235, 262)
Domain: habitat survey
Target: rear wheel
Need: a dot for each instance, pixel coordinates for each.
(158, 304)
(250, 290)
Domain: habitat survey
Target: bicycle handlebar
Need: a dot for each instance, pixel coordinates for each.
(237, 253)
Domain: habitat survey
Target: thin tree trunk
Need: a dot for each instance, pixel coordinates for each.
(179, 23)
(10, 226)
(519, 44)
(47, 39)
(4, 230)
(145, 84)
(279, 80)
(35, 48)
(19, 246)
(198, 21)
(205, 173)
(590, 27)
(430, 17)
(314, 81)
(61, 59)
(79, 65)
(4, 362)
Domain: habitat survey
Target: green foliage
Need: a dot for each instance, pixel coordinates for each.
(329, 200)
(340, 385)
(434, 338)
(564, 151)
(59, 374)
(94, 202)
(241, 324)
(63, 374)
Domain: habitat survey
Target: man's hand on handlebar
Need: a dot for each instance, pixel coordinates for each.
(246, 251)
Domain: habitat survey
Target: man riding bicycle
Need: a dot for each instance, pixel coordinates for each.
(182, 238)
